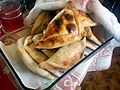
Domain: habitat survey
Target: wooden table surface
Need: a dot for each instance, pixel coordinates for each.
(105, 80)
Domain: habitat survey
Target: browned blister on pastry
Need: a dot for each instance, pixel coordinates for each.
(62, 30)
(82, 19)
(62, 24)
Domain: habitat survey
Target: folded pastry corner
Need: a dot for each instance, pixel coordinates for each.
(91, 36)
(37, 55)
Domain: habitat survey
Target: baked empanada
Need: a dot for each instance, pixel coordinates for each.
(65, 57)
(67, 27)
(91, 36)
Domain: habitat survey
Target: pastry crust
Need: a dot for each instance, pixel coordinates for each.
(66, 56)
(67, 27)
(29, 62)
(37, 55)
(56, 41)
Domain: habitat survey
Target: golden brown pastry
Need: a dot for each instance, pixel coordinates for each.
(91, 36)
(57, 41)
(82, 19)
(37, 55)
(29, 62)
(65, 57)
(65, 24)
(67, 27)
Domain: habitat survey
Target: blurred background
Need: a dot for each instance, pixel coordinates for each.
(112, 5)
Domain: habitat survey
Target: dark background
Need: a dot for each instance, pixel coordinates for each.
(112, 5)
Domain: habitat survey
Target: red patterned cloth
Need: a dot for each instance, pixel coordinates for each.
(5, 83)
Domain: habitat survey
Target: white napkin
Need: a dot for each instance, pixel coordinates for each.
(43, 5)
(104, 17)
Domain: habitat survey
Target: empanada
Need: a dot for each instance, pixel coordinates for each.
(29, 62)
(63, 24)
(65, 57)
(37, 37)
